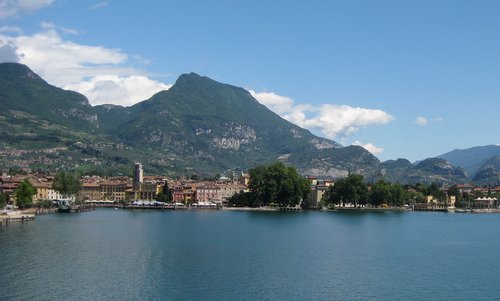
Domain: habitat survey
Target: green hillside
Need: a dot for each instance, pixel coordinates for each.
(207, 125)
(197, 126)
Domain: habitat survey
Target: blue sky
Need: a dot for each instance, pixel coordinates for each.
(411, 79)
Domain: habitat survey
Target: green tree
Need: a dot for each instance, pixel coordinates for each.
(67, 184)
(277, 184)
(243, 199)
(419, 198)
(351, 190)
(45, 204)
(380, 193)
(455, 191)
(165, 194)
(419, 187)
(437, 193)
(4, 200)
(24, 194)
(398, 195)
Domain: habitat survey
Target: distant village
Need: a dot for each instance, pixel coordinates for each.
(143, 190)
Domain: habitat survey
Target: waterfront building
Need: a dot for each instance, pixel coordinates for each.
(177, 192)
(148, 190)
(230, 189)
(313, 180)
(485, 203)
(115, 189)
(208, 192)
(42, 191)
(8, 185)
(91, 191)
(183, 192)
(244, 179)
(465, 188)
(138, 176)
(316, 194)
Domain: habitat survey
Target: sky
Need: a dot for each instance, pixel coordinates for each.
(404, 79)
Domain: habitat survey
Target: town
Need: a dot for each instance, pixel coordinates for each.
(145, 191)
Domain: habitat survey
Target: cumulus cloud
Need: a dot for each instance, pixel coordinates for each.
(370, 147)
(100, 73)
(105, 89)
(332, 120)
(12, 8)
(421, 121)
(276, 103)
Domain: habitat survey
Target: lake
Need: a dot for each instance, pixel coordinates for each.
(110, 254)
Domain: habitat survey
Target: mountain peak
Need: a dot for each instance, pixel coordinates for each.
(16, 70)
(190, 77)
(195, 81)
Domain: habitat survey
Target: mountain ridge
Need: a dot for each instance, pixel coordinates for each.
(197, 126)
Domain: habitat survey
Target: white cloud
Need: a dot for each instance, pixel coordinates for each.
(422, 121)
(106, 89)
(370, 147)
(7, 51)
(99, 5)
(86, 69)
(51, 26)
(12, 8)
(11, 29)
(276, 103)
(332, 120)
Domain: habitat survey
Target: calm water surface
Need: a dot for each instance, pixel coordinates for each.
(218, 255)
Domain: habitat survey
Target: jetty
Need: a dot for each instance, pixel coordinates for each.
(7, 217)
(431, 207)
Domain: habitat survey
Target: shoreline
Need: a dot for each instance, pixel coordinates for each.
(16, 216)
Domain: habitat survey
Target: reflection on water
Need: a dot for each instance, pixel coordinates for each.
(218, 255)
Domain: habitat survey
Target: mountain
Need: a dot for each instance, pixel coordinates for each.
(427, 171)
(489, 172)
(472, 158)
(335, 162)
(199, 125)
(206, 125)
(23, 94)
(32, 113)
(43, 127)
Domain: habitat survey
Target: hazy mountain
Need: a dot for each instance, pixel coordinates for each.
(425, 171)
(472, 158)
(489, 172)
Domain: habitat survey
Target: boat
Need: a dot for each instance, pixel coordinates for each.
(64, 206)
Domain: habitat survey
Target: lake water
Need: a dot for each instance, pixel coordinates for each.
(112, 254)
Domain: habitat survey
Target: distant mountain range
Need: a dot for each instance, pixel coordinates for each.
(482, 163)
(197, 126)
